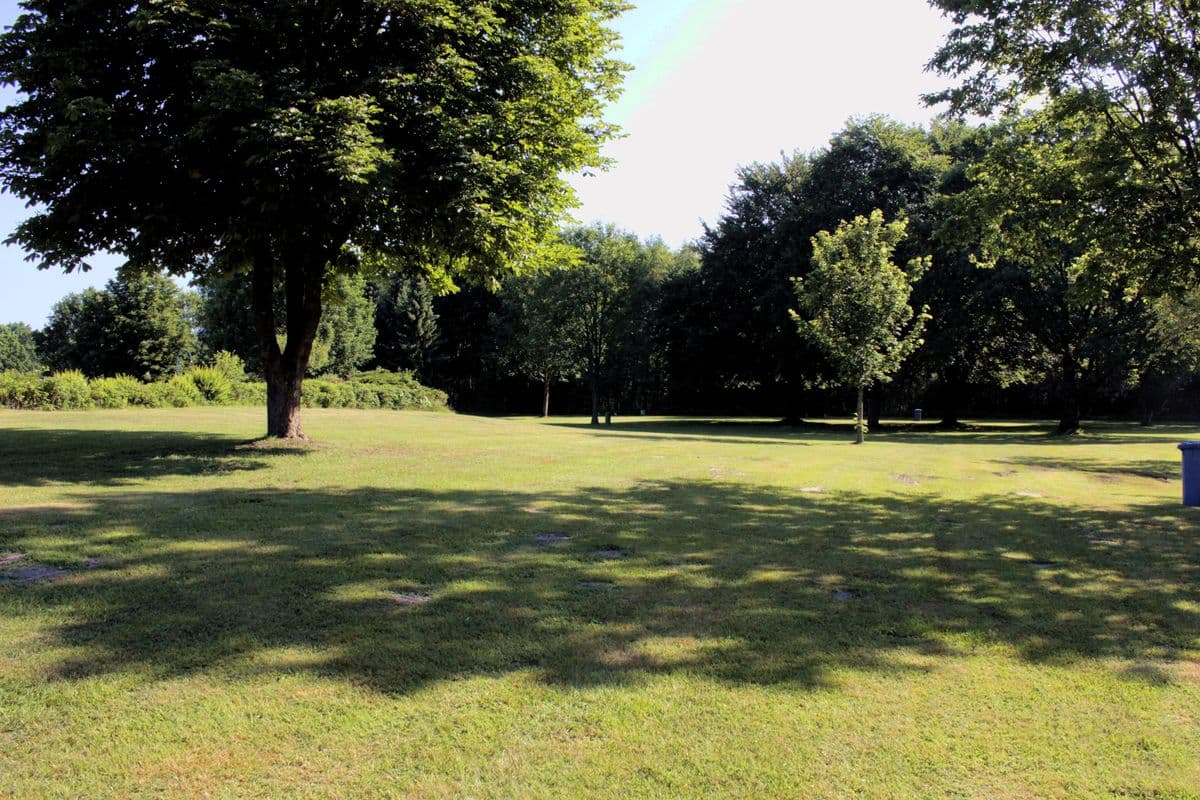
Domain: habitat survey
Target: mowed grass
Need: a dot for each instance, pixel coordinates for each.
(741, 610)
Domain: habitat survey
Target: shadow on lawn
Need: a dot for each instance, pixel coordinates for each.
(736, 582)
(35, 456)
(778, 432)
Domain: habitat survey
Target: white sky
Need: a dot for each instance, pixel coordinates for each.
(717, 83)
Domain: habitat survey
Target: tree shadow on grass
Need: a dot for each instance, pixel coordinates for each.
(706, 429)
(800, 433)
(35, 456)
(740, 583)
(1167, 469)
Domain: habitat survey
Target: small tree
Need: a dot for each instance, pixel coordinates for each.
(854, 303)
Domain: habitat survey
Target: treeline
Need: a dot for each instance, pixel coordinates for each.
(1026, 315)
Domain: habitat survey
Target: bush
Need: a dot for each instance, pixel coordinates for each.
(22, 390)
(230, 365)
(379, 389)
(68, 389)
(212, 384)
(178, 392)
(327, 394)
(250, 393)
(397, 390)
(118, 392)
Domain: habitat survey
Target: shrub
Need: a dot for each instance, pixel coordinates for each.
(230, 365)
(212, 384)
(178, 392)
(327, 394)
(250, 393)
(380, 388)
(68, 389)
(22, 390)
(118, 392)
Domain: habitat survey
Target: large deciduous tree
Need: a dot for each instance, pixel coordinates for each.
(289, 140)
(854, 303)
(1134, 65)
(1030, 213)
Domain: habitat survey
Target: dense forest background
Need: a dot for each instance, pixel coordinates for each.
(624, 326)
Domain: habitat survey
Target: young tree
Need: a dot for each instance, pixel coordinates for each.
(18, 348)
(854, 303)
(291, 141)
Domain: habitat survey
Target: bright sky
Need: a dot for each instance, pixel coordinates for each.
(716, 83)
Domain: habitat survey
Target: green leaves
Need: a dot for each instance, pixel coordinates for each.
(1131, 66)
(854, 304)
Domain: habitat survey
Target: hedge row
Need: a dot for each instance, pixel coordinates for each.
(210, 386)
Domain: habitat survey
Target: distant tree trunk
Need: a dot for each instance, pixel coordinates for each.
(1071, 410)
(595, 401)
(546, 395)
(951, 403)
(284, 369)
(858, 419)
(874, 406)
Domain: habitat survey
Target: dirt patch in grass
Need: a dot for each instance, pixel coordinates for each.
(610, 553)
(409, 598)
(595, 586)
(31, 573)
(549, 537)
(46, 508)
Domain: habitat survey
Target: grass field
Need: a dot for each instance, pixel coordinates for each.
(740, 610)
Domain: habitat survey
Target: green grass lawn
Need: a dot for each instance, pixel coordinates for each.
(741, 610)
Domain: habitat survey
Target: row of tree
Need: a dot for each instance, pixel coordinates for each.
(1015, 313)
(331, 156)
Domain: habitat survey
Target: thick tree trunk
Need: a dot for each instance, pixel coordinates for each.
(875, 406)
(1071, 418)
(283, 404)
(546, 396)
(284, 369)
(858, 419)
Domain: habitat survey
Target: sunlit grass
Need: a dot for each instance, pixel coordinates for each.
(740, 610)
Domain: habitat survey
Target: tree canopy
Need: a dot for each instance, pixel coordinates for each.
(1132, 64)
(854, 304)
(289, 140)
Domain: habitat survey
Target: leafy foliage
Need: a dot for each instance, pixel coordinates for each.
(137, 325)
(293, 142)
(208, 386)
(18, 348)
(854, 304)
(1131, 65)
